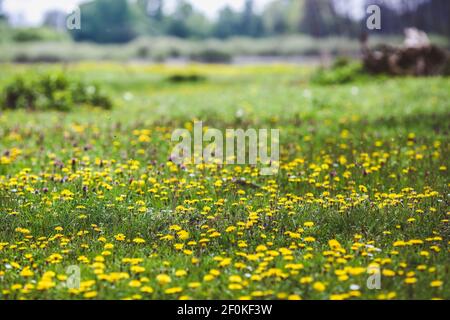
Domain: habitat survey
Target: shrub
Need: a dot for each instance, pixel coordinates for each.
(37, 34)
(46, 57)
(19, 95)
(343, 71)
(210, 55)
(143, 52)
(180, 78)
(52, 92)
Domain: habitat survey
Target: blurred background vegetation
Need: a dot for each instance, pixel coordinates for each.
(147, 30)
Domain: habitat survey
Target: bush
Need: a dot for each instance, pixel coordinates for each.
(52, 92)
(36, 35)
(48, 57)
(210, 55)
(343, 71)
(19, 95)
(180, 78)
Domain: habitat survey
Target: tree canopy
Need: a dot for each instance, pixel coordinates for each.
(118, 21)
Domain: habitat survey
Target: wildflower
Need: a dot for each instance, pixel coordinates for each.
(319, 286)
(120, 237)
(410, 280)
(134, 284)
(208, 277)
(225, 262)
(183, 235)
(137, 269)
(388, 273)
(234, 286)
(163, 279)
(90, 294)
(334, 244)
(305, 280)
(436, 283)
(173, 290)
(147, 289)
(138, 240)
(26, 272)
(235, 278)
(194, 285)
(180, 273)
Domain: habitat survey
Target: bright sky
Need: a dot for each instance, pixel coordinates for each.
(32, 11)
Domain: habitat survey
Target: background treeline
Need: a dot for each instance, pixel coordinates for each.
(120, 21)
(150, 30)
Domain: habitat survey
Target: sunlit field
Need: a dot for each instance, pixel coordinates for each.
(358, 210)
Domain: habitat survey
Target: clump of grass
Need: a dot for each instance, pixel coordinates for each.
(53, 91)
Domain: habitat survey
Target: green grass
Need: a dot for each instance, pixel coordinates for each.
(365, 162)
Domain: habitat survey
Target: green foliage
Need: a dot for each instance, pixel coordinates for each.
(120, 21)
(211, 55)
(37, 34)
(278, 17)
(187, 22)
(231, 23)
(106, 21)
(19, 95)
(181, 78)
(51, 92)
(343, 71)
(24, 35)
(45, 57)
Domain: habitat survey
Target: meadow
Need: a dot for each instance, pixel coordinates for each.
(361, 195)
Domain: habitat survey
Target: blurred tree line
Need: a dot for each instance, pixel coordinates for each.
(119, 21)
(2, 15)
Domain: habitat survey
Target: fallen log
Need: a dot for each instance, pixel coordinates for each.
(417, 57)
